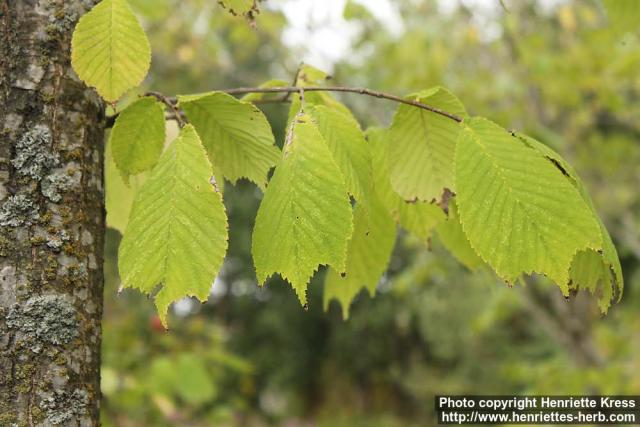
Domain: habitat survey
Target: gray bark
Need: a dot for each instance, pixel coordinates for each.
(51, 221)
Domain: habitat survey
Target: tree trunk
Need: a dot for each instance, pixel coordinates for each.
(51, 221)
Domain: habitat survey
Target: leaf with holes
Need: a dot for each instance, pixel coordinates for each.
(138, 136)
(423, 145)
(109, 49)
(177, 232)
(236, 134)
(368, 255)
(305, 218)
(418, 218)
(519, 212)
(597, 271)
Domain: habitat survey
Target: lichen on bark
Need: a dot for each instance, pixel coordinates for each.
(33, 155)
(41, 319)
(18, 210)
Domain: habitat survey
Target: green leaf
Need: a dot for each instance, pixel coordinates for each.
(305, 218)
(597, 271)
(368, 255)
(138, 136)
(624, 15)
(417, 218)
(236, 134)
(519, 212)
(423, 145)
(109, 49)
(453, 238)
(177, 232)
(344, 137)
(118, 195)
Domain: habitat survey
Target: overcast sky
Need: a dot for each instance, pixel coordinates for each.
(318, 25)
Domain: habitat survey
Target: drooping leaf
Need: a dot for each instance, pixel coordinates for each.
(418, 218)
(519, 212)
(177, 232)
(368, 255)
(138, 136)
(305, 218)
(346, 141)
(597, 271)
(236, 134)
(423, 145)
(453, 238)
(118, 195)
(110, 50)
(624, 15)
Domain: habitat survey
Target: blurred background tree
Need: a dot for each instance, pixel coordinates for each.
(253, 357)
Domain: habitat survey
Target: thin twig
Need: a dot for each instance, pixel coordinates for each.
(172, 102)
(360, 91)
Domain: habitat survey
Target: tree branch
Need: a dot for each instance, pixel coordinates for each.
(359, 91)
(293, 89)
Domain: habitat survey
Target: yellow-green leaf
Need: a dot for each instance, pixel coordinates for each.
(177, 232)
(423, 145)
(418, 218)
(368, 255)
(345, 139)
(236, 134)
(305, 218)
(519, 212)
(138, 136)
(453, 238)
(597, 271)
(110, 50)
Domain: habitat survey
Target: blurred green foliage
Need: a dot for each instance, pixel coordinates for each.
(252, 356)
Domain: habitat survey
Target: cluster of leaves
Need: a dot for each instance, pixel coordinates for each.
(337, 194)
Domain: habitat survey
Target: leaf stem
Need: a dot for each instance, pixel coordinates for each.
(172, 104)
